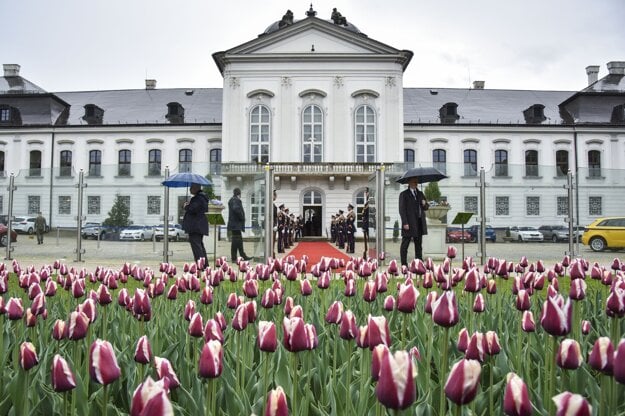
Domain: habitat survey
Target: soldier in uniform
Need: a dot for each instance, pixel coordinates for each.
(333, 229)
(275, 224)
(280, 228)
(341, 230)
(350, 229)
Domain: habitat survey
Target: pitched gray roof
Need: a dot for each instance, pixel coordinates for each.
(201, 105)
(484, 106)
(19, 85)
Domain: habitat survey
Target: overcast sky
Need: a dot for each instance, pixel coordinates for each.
(76, 45)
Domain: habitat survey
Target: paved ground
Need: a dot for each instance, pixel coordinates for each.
(150, 254)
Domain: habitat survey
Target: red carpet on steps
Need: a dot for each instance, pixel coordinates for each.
(315, 250)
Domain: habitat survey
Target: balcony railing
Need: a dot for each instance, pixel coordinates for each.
(355, 169)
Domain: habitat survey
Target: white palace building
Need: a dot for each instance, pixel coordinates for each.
(324, 105)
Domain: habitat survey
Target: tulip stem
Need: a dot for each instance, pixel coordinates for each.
(2, 356)
(491, 367)
(105, 400)
(552, 373)
(428, 359)
(443, 372)
(615, 341)
(348, 398)
(404, 326)
(26, 395)
(294, 409)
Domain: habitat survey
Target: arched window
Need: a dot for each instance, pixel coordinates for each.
(35, 163)
(185, 160)
(123, 164)
(95, 163)
(312, 134)
(439, 160)
(562, 163)
(65, 164)
(312, 198)
(594, 164)
(531, 163)
(501, 163)
(470, 162)
(365, 131)
(409, 158)
(154, 162)
(215, 161)
(259, 134)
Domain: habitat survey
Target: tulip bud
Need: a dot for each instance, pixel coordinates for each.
(362, 339)
(568, 403)
(516, 401)
(556, 319)
(463, 381)
(463, 340)
(150, 398)
(103, 366)
(206, 297)
(143, 351)
(211, 360)
(312, 341)
(476, 350)
(389, 303)
(370, 292)
(62, 377)
(28, 356)
(569, 355)
(407, 298)
(14, 309)
(586, 327)
(523, 300)
(619, 362)
(166, 372)
(527, 322)
(295, 338)
(395, 388)
(479, 305)
(492, 343)
(276, 403)
(378, 331)
(601, 357)
(212, 331)
(335, 313)
(240, 318)
(348, 329)
(445, 310)
(77, 326)
(58, 330)
(267, 336)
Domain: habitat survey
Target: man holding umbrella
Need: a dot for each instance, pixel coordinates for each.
(195, 222)
(412, 207)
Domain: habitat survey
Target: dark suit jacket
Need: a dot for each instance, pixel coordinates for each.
(194, 220)
(408, 213)
(236, 215)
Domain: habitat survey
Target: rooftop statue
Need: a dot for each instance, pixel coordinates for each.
(287, 19)
(338, 18)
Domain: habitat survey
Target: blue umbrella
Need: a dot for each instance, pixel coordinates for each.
(185, 179)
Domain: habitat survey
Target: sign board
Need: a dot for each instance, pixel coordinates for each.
(462, 218)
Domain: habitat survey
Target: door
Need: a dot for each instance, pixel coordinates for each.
(312, 221)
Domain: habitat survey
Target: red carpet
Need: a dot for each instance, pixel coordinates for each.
(315, 250)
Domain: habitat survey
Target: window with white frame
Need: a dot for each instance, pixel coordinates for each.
(257, 208)
(365, 131)
(562, 163)
(470, 204)
(409, 158)
(360, 203)
(65, 204)
(95, 163)
(594, 164)
(502, 205)
(185, 157)
(501, 163)
(154, 204)
(1, 203)
(215, 161)
(312, 198)
(154, 162)
(562, 205)
(65, 166)
(259, 134)
(595, 206)
(439, 159)
(123, 162)
(93, 204)
(531, 163)
(312, 134)
(34, 204)
(532, 205)
(35, 165)
(470, 162)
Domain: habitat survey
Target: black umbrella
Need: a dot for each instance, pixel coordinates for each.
(423, 174)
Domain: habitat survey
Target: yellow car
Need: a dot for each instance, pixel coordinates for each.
(607, 232)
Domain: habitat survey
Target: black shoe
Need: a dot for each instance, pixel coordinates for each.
(246, 258)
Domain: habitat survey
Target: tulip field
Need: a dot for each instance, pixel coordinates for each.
(355, 337)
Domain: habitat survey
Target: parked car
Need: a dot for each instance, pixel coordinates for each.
(554, 233)
(137, 232)
(525, 234)
(4, 239)
(175, 233)
(456, 235)
(607, 232)
(93, 230)
(490, 233)
(25, 224)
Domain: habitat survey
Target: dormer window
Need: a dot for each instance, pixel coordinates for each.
(449, 113)
(175, 113)
(534, 114)
(618, 114)
(10, 115)
(93, 114)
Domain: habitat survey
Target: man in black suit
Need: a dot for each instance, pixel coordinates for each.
(194, 221)
(412, 207)
(236, 225)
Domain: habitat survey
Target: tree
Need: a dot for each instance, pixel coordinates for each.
(119, 213)
(432, 192)
(209, 189)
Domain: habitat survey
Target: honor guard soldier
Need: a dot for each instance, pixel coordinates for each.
(350, 229)
(365, 222)
(333, 229)
(341, 230)
(280, 228)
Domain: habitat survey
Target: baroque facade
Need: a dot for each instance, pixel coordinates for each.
(324, 105)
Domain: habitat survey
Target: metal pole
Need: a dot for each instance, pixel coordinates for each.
(166, 219)
(379, 212)
(268, 212)
(79, 217)
(482, 216)
(11, 188)
(570, 219)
